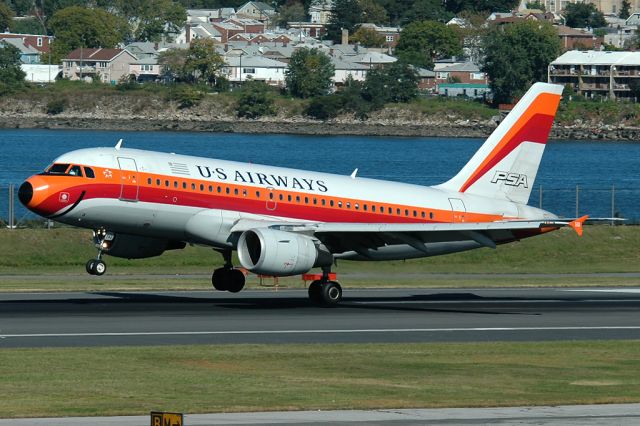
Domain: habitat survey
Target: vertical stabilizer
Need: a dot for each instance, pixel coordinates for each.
(506, 165)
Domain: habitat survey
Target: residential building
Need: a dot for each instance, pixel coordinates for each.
(474, 91)
(28, 55)
(258, 68)
(593, 74)
(308, 29)
(40, 73)
(459, 72)
(633, 19)
(145, 69)
(257, 10)
(320, 11)
(344, 69)
(391, 34)
(109, 65)
(572, 38)
(41, 43)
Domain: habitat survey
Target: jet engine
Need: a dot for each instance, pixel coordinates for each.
(280, 253)
(136, 247)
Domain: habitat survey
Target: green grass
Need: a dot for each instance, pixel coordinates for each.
(196, 379)
(39, 259)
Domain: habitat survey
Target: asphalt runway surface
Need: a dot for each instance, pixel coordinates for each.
(365, 316)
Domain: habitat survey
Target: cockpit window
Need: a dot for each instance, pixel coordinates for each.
(64, 169)
(75, 171)
(57, 169)
(88, 172)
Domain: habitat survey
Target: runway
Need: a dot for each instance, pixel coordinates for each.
(366, 316)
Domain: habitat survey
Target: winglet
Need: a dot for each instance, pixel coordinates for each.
(578, 224)
(355, 172)
(119, 144)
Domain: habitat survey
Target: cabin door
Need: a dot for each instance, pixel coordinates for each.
(458, 210)
(128, 179)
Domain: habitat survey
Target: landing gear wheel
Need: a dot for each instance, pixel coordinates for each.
(219, 279)
(98, 267)
(315, 292)
(89, 266)
(235, 281)
(331, 293)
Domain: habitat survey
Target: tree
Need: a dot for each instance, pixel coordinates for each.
(422, 42)
(426, 10)
(6, 17)
(75, 27)
(397, 82)
(625, 10)
(309, 74)
(202, 62)
(27, 26)
(255, 100)
(20, 7)
(517, 55)
(583, 15)
(11, 75)
(536, 5)
(457, 6)
(293, 11)
(345, 14)
(372, 12)
(368, 37)
(172, 63)
(151, 20)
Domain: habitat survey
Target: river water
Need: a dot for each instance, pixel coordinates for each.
(599, 173)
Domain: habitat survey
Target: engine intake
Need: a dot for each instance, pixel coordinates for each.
(280, 253)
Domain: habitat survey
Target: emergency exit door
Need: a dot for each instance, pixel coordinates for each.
(128, 179)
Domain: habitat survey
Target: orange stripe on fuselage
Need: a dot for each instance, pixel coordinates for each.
(545, 104)
(309, 207)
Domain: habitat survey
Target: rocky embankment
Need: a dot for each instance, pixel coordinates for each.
(140, 114)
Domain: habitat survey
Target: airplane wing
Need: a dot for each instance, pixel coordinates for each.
(361, 237)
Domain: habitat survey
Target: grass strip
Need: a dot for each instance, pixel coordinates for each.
(198, 379)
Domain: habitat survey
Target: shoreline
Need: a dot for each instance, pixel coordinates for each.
(457, 129)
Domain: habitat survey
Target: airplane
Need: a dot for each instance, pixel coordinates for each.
(285, 222)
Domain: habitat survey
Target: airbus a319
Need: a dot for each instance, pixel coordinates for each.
(285, 222)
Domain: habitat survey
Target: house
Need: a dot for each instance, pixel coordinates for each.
(344, 69)
(257, 10)
(320, 11)
(572, 38)
(308, 29)
(621, 37)
(258, 68)
(28, 55)
(41, 43)
(233, 26)
(593, 74)
(426, 79)
(391, 34)
(145, 69)
(633, 19)
(459, 72)
(474, 91)
(205, 16)
(373, 59)
(109, 65)
(40, 73)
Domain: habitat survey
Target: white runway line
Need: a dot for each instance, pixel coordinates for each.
(334, 331)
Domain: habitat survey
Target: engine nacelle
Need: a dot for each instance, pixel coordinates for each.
(136, 247)
(279, 253)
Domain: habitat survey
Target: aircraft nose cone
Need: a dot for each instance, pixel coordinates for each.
(25, 193)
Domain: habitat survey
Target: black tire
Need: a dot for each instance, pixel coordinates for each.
(99, 267)
(89, 266)
(236, 281)
(331, 293)
(315, 292)
(219, 279)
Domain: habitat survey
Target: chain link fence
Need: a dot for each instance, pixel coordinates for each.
(612, 202)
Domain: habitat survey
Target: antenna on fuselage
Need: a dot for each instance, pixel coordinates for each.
(119, 144)
(355, 172)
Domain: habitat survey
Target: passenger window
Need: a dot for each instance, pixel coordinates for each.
(210, 188)
(193, 186)
(88, 172)
(288, 197)
(175, 183)
(257, 194)
(201, 187)
(158, 182)
(184, 185)
(235, 191)
(148, 180)
(331, 203)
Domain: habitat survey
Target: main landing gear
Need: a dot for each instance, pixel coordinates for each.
(97, 266)
(325, 292)
(228, 278)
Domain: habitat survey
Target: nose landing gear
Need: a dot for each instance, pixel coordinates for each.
(101, 239)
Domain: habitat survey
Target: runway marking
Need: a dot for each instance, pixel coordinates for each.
(335, 331)
(613, 290)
